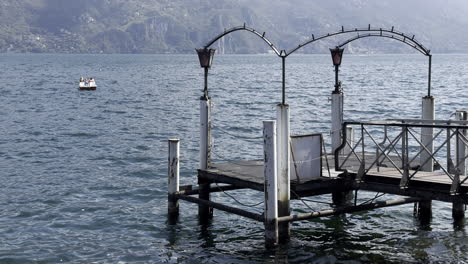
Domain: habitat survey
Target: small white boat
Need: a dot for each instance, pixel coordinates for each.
(87, 84)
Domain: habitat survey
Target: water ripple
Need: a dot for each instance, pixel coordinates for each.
(84, 173)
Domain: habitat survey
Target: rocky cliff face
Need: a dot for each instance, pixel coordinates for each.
(178, 26)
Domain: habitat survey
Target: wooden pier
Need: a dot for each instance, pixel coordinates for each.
(342, 175)
(420, 159)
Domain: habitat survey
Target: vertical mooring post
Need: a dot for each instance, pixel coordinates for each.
(424, 208)
(271, 186)
(173, 180)
(458, 208)
(283, 156)
(423, 211)
(339, 198)
(336, 119)
(204, 212)
(427, 133)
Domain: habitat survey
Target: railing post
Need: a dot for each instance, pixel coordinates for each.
(362, 166)
(349, 139)
(404, 157)
(363, 148)
(271, 187)
(462, 116)
(205, 212)
(450, 165)
(173, 180)
(283, 155)
(427, 134)
(456, 177)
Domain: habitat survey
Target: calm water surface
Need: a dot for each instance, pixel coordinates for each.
(83, 174)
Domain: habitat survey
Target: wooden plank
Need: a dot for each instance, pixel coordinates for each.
(249, 174)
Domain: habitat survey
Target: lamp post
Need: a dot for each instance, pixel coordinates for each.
(206, 59)
(337, 101)
(339, 198)
(337, 55)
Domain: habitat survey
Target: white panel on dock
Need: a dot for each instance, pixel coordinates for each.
(306, 161)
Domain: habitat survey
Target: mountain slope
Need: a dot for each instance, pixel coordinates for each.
(178, 26)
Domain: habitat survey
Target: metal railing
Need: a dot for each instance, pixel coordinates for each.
(406, 148)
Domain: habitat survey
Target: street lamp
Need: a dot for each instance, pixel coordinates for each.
(337, 55)
(206, 59)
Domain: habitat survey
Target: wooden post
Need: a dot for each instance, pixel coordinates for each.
(205, 212)
(423, 211)
(341, 199)
(458, 209)
(458, 212)
(283, 155)
(271, 189)
(173, 180)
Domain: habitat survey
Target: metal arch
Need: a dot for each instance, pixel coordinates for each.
(368, 29)
(244, 27)
(390, 36)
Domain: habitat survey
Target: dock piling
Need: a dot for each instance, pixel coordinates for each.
(458, 212)
(427, 134)
(423, 211)
(271, 189)
(173, 180)
(336, 119)
(458, 208)
(339, 198)
(283, 155)
(424, 208)
(205, 212)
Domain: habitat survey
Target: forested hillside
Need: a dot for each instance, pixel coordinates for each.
(178, 26)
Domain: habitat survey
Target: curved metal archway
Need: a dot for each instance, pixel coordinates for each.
(382, 33)
(377, 32)
(390, 36)
(244, 27)
(410, 42)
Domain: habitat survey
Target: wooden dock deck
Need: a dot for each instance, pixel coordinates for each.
(427, 185)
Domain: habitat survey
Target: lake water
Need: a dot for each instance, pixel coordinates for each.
(84, 173)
